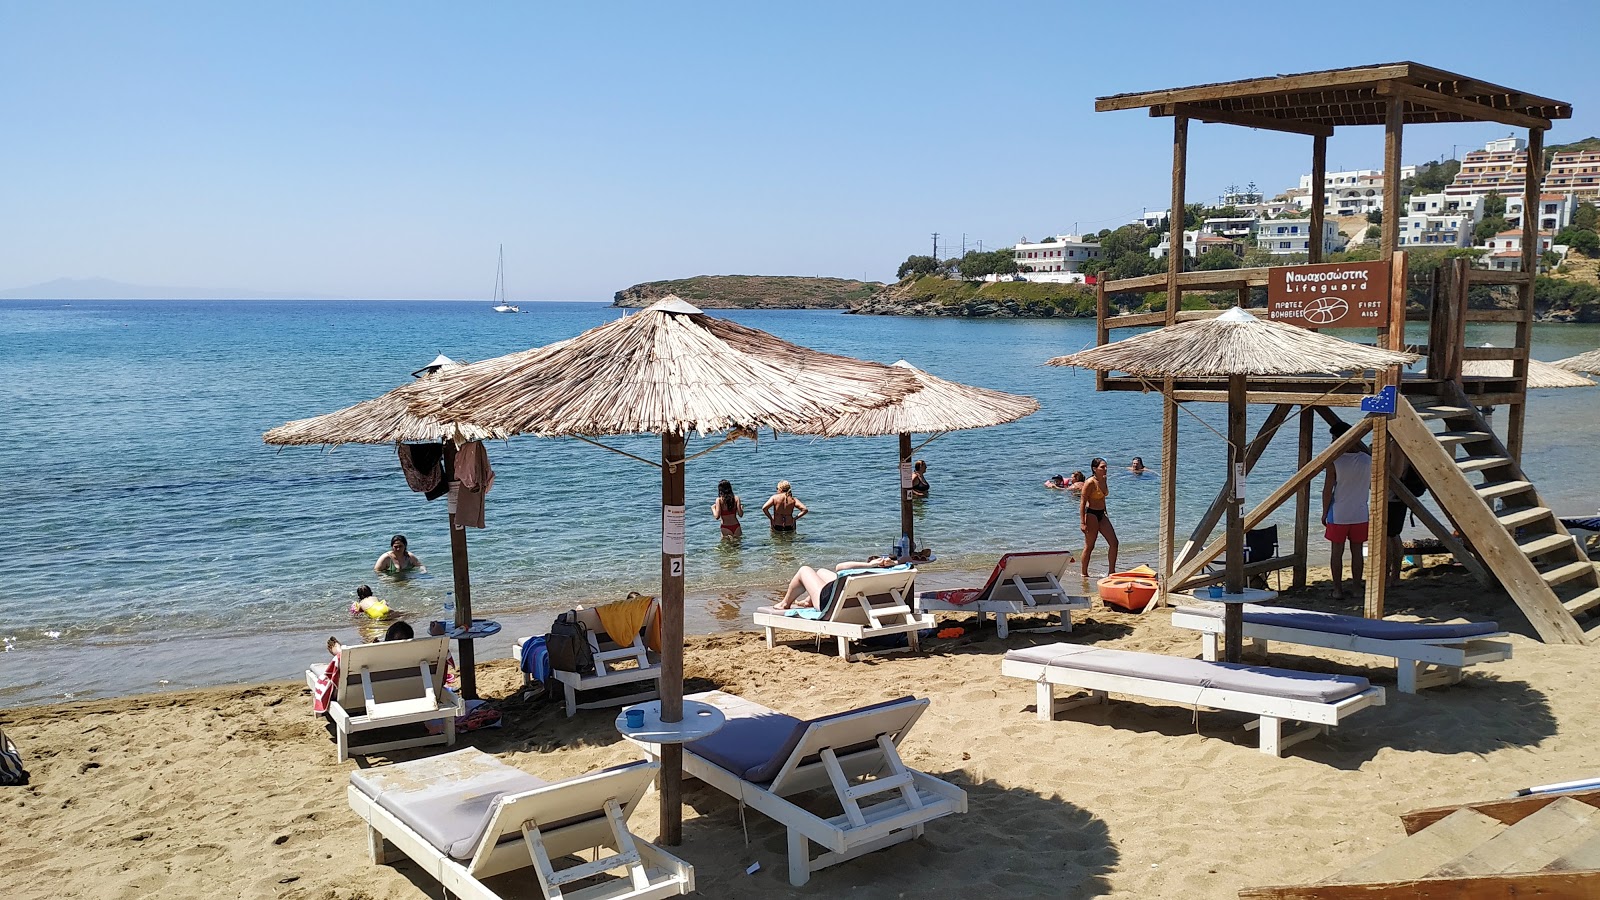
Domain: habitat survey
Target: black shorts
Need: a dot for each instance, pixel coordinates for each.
(782, 527)
(1397, 519)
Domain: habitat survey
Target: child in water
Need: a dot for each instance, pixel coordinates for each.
(367, 604)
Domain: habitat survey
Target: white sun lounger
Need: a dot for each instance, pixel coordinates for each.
(1275, 695)
(760, 757)
(1021, 584)
(1424, 655)
(864, 605)
(465, 816)
(387, 684)
(615, 662)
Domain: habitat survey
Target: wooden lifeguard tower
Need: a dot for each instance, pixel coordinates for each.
(1498, 527)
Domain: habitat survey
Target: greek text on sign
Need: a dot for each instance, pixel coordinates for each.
(1334, 295)
(672, 530)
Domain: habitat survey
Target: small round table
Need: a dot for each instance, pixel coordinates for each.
(1233, 616)
(699, 720)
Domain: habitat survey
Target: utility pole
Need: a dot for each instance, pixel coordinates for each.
(980, 245)
(936, 246)
(963, 243)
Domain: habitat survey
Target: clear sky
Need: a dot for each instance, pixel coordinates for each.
(366, 149)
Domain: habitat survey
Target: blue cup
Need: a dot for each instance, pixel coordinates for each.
(1215, 591)
(635, 718)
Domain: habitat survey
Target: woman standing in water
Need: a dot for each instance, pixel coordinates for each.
(727, 509)
(1092, 511)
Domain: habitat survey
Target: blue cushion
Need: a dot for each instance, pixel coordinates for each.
(1258, 680)
(756, 741)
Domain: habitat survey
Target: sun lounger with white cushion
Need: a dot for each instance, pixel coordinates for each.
(852, 759)
(388, 684)
(1021, 584)
(465, 816)
(862, 604)
(1424, 655)
(617, 661)
(1274, 695)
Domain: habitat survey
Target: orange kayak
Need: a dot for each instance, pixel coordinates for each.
(1131, 591)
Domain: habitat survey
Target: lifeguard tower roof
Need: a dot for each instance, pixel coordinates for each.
(1315, 103)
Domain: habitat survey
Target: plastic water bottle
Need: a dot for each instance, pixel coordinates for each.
(449, 608)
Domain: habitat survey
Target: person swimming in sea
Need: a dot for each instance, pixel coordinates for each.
(1073, 482)
(368, 605)
(1137, 466)
(398, 559)
(919, 480)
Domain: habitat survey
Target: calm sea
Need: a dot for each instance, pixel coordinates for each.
(156, 542)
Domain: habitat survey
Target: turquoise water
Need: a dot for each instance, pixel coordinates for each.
(156, 541)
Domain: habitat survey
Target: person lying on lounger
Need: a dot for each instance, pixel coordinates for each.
(806, 587)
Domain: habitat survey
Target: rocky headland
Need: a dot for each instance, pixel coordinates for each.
(752, 292)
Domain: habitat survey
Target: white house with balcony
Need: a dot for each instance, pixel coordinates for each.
(1353, 193)
(1505, 250)
(1438, 220)
(1283, 237)
(1555, 211)
(1060, 254)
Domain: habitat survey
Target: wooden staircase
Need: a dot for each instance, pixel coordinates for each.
(1519, 539)
(1546, 846)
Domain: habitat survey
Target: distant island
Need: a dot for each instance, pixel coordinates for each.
(753, 292)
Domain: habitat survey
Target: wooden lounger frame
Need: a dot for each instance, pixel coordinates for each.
(387, 684)
(1031, 591)
(869, 605)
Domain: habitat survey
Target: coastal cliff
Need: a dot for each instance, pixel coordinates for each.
(752, 292)
(934, 296)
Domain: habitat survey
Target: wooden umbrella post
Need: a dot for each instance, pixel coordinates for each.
(1233, 613)
(672, 553)
(905, 492)
(463, 591)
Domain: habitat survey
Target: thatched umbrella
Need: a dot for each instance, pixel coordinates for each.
(1540, 374)
(1238, 345)
(1583, 362)
(936, 407)
(669, 370)
(388, 420)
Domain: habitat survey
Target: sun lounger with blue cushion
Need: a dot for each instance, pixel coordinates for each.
(465, 816)
(850, 759)
(1425, 655)
(860, 604)
(1275, 696)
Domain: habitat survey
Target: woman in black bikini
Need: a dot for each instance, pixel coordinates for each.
(1092, 511)
(919, 479)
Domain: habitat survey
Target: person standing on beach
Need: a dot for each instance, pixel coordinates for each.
(727, 509)
(1344, 508)
(1092, 512)
(782, 510)
(398, 559)
(919, 479)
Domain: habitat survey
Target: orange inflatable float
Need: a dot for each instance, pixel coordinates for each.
(1131, 590)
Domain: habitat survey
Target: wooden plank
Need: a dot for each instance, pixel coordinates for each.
(1302, 502)
(1169, 490)
(1319, 178)
(1278, 84)
(1445, 534)
(1492, 276)
(1510, 811)
(1377, 549)
(1516, 418)
(1276, 499)
(1585, 856)
(1102, 334)
(1424, 851)
(1392, 128)
(1180, 151)
(1462, 500)
(1135, 320)
(1473, 112)
(1248, 120)
(1544, 885)
(1295, 397)
(1482, 353)
(1531, 844)
(1492, 315)
(1221, 280)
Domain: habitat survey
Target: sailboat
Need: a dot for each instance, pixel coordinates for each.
(500, 304)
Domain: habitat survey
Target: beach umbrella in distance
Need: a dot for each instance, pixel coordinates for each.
(1584, 362)
(935, 408)
(668, 370)
(388, 420)
(1235, 345)
(1540, 374)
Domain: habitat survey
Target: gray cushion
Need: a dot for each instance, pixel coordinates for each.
(447, 799)
(1260, 680)
(756, 741)
(1357, 626)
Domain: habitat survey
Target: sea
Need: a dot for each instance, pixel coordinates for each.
(156, 543)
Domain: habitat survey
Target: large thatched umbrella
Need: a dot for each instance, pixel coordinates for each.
(1235, 344)
(1583, 362)
(1540, 374)
(936, 407)
(669, 370)
(388, 420)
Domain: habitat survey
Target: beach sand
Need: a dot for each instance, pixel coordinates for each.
(234, 791)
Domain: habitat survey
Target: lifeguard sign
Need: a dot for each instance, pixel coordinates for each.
(1335, 295)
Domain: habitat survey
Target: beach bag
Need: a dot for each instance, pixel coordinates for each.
(568, 645)
(11, 770)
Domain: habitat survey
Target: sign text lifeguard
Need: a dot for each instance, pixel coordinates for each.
(1333, 295)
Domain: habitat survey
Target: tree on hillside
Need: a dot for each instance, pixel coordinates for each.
(1580, 239)
(916, 267)
(1494, 218)
(1587, 215)
(1494, 204)
(996, 262)
(1375, 217)
(1431, 178)
(1217, 258)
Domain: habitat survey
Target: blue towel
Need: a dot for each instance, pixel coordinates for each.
(536, 659)
(1583, 523)
(803, 612)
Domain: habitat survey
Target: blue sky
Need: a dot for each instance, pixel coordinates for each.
(368, 149)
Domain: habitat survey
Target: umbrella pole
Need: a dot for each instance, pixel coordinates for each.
(672, 639)
(463, 588)
(1233, 613)
(905, 493)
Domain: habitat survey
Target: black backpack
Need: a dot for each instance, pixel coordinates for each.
(568, 645)
(1414, 482)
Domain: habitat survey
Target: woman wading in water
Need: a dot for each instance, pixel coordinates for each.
(727, 509)
(1092, 510)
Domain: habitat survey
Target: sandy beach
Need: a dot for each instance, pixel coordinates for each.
(235, 792)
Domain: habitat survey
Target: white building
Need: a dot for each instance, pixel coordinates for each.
(1282, 237)
(1500, 167)
(1151, 219)
(1063, 253)
(1438, 220)
(1505, 250)
(1577, 171)
(1555, 211)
